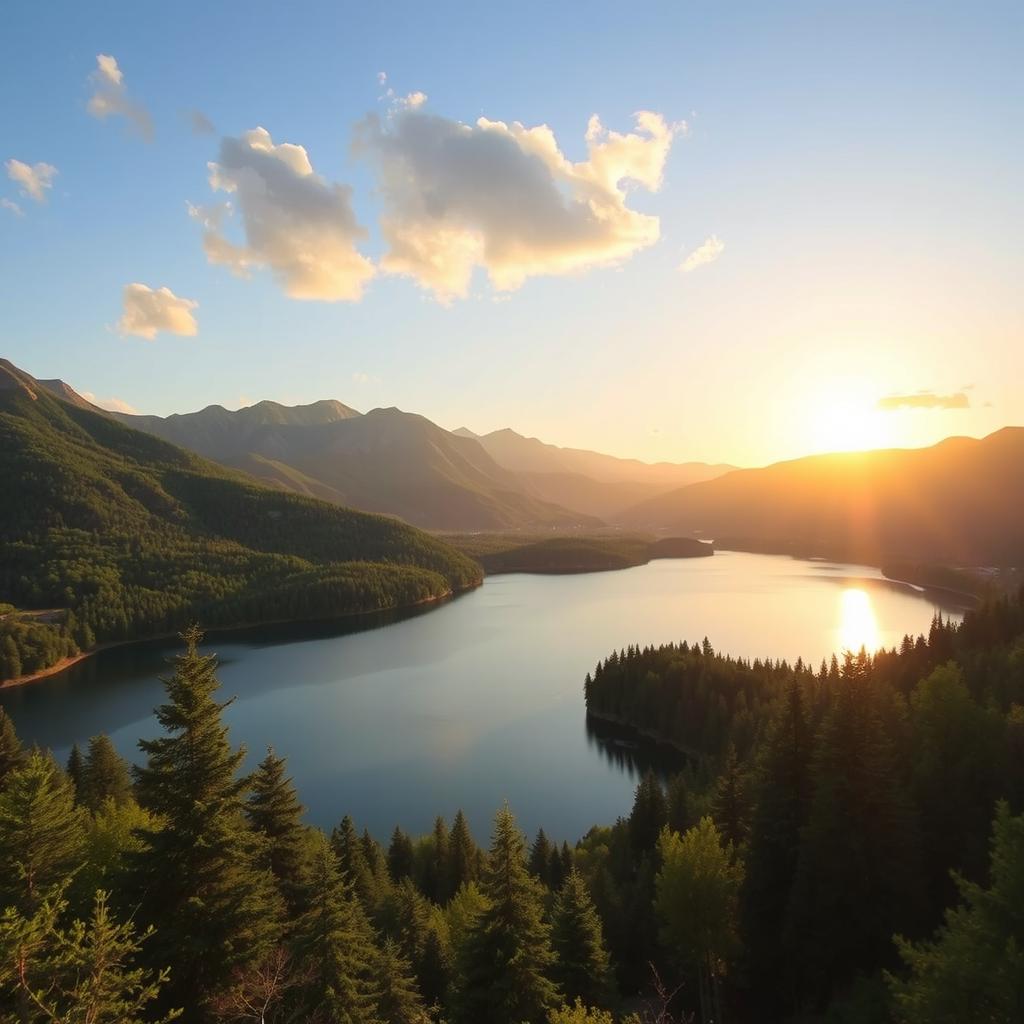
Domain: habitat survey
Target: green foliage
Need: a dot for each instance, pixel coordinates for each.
(582, 969)
(11, 753)
(274, 812)
(973, 969)
(506, 960)
(199, 879)
(104, 775)
(79, 974)
(42, 834)
(128, 537)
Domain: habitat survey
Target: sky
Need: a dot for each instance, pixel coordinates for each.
(736, 232)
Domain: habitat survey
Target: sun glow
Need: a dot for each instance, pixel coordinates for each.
(858, 626)
(848, 425)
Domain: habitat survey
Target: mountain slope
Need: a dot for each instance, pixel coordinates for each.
(959, 501)
(385, 461)
(124, 535)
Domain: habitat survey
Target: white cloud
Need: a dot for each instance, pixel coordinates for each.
(201, 124)
(504, 197)
(296, 223)
(111, 404)
(10, 204)
(111, 97)
(707, 252)
(34, 179)
(147, 311)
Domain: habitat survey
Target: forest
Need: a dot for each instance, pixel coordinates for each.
(114, 535)
(846, 844)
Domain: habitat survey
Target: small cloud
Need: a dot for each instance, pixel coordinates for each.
(382, 78)
(10, 204)
(148, 311)
(201, 124)
(111, 97)
(34, 179)
(707, 252)
(111, 404)
(296, 223)
(361, 378)
(924, 400)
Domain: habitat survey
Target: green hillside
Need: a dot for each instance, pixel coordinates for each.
(118, 535)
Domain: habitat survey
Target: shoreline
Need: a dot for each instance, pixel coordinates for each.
(66, 663)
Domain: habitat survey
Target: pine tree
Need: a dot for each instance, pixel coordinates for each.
(439, 886)
(198, 880)
(730, 806)
(400, 855)
(76, 771)
(274, 811)
(465, 856)
(105, 775)
(335, 941)
(539, 864)
(348, 847)
(434, 970)
(649, 815)
(680, 817)
(399, 1001)
(581, 967)
(42, 834)
(11, 752)
(507, 960)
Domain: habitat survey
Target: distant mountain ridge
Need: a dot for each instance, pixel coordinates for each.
(960, 501)
(403, 464)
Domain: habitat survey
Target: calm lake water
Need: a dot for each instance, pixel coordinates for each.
(479, 700)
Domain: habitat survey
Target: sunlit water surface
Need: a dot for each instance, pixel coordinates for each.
(480, 700)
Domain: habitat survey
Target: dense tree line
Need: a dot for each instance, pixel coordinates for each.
(122, 536)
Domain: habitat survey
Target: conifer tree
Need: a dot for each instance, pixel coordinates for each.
(274, 811)
(464, 853)
(198, 881)
(76, 770)
(335, 941)
(439, 886)
(680, 817)
(348, 847)
(730, 806)
(581, 967)
(105, 775)
(434, 970)
(11, 752)
(400, 855)
(398, 1001)
(649, 815)
(505, 970)
(42, 834)
(539, 864)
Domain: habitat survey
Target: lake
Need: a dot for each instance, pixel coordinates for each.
(481, 699)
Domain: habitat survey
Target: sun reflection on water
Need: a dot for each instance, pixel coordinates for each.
(858, 626)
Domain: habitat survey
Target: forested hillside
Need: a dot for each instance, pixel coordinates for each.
(111, 534)
(955, 503)
(799, 871)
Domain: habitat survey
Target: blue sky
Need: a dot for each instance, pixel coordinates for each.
(860, 165)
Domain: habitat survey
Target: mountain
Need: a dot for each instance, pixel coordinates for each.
(114, 534)
(589, 482)
(958, 502)
(385, 461)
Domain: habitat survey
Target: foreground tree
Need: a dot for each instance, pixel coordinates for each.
(84, 973)
(581, 966)
(973, 970)
(42, 834)
(274, 811)
(506, 962)
(334, 939)
(697, 898)
(198, 880)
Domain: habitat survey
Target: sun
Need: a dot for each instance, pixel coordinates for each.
(846, 419)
